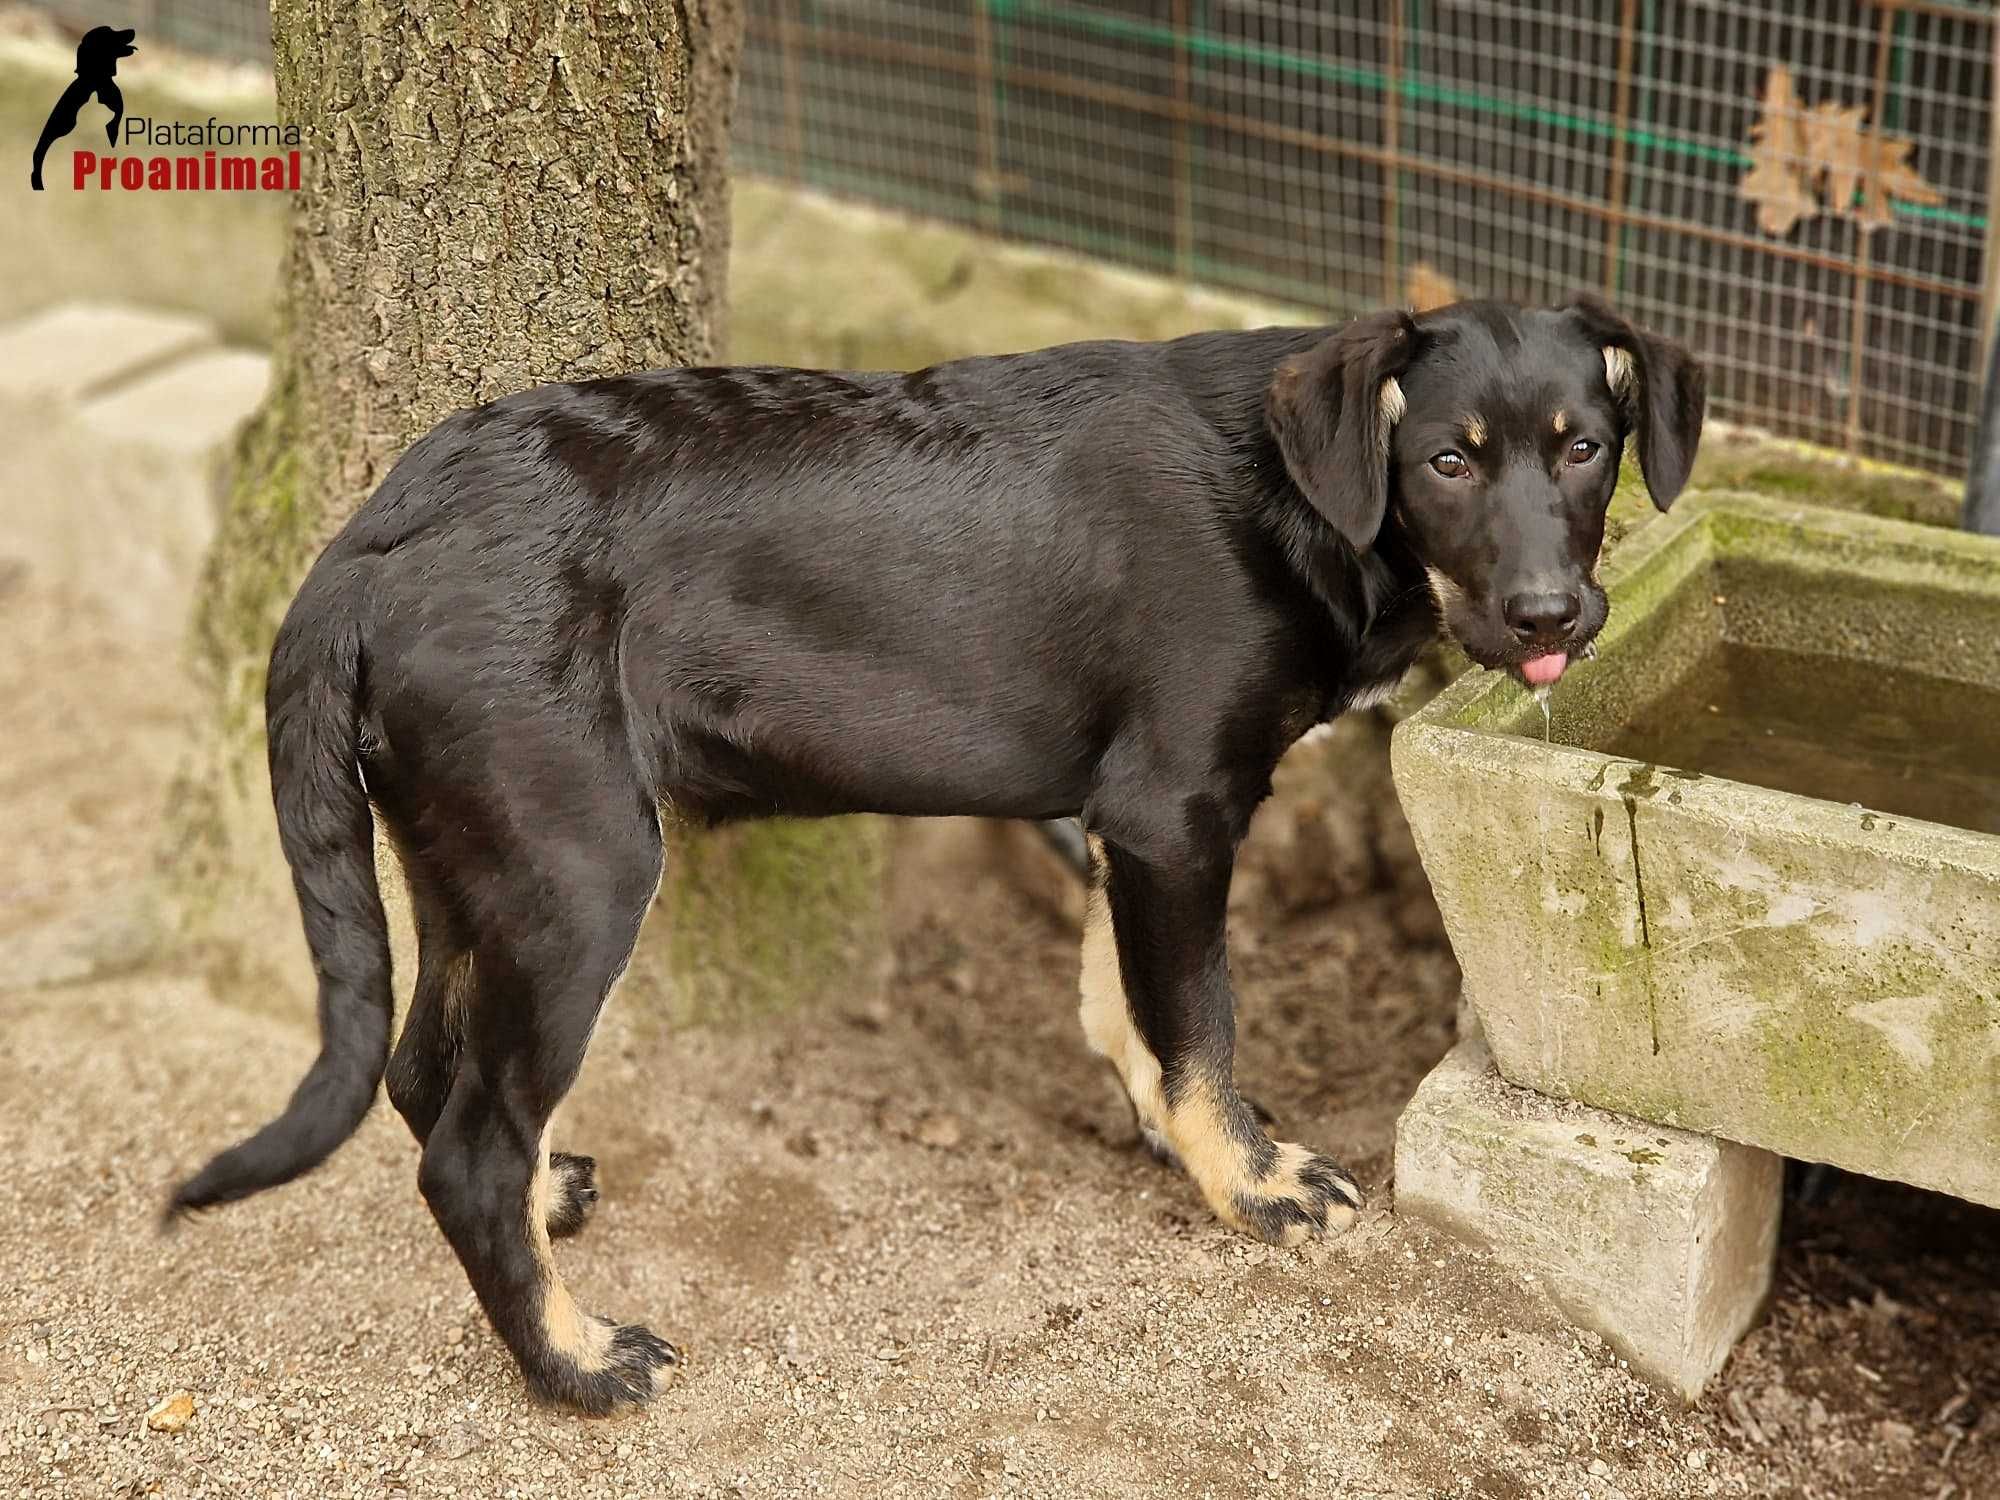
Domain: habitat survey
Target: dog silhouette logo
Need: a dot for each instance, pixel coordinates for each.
(96, 67)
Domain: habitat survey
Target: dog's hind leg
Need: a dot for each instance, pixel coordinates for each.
(425, 1062)
(555, 900)
(1157, 1004)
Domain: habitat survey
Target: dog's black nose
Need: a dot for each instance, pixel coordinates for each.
(1542, 619)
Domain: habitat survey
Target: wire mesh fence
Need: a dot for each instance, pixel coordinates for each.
(1799, 191)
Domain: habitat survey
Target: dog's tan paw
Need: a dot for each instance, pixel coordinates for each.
(572, 1192)
(605, 1368)
(1305, 1196)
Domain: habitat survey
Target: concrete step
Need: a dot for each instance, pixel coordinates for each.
(112, 421)
(64, 354)
(1660, 1240)
(191, 406)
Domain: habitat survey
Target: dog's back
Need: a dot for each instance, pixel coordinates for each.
(767, 546)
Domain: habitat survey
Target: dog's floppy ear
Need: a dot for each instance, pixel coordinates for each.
(1660, 388)
(1332, 409)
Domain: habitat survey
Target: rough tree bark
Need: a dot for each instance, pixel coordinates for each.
(495, 196)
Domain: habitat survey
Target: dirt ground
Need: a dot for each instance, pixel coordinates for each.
(910, 1248)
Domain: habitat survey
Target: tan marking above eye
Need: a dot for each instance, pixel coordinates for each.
(1561, 423)
(1475, 431)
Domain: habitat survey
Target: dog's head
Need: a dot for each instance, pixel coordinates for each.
(98, 53)
(1490, 435)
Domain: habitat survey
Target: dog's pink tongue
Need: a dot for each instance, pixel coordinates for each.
(1543, 670)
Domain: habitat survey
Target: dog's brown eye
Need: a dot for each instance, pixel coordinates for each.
(1449, 463)
(1583, 450)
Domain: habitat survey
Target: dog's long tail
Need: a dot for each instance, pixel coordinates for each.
(325, 826)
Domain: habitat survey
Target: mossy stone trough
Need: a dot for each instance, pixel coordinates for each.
(1818, 978)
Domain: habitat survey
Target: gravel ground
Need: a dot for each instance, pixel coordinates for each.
(910, 1248)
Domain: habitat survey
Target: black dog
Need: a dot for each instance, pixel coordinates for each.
(1114, 580)
(96, 64)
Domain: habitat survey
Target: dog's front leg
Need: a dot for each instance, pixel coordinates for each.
(1157, 1005)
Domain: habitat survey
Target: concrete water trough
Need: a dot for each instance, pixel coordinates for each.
(1748, 886)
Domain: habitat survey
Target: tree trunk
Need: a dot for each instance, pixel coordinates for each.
(495, 196)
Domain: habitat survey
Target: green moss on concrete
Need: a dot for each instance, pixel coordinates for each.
(1677, 947)
(1631, 503)
(1820, 1079)
(1783, 470)
(1847, 1084)
(223, 871)
(262, 547)
(1741, 462)
(760, 917)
